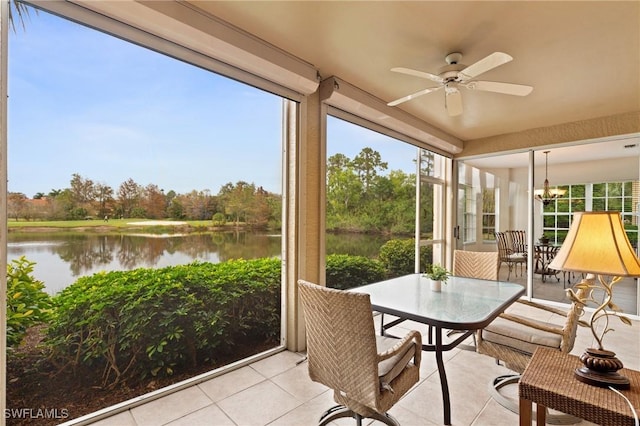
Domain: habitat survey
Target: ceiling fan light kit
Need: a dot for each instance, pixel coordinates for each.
(455, 75)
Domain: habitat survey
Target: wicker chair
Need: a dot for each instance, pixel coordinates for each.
(368, 373)
(518, 241)
(476, 264)
(507, 254)
(513, 338)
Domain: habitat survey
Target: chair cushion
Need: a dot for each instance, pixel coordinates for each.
(517, 256)
(520, 337)
(391, 368)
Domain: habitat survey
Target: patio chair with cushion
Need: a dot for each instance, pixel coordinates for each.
(518, 241)
(368, 373)
(513, 338)
(507, 254)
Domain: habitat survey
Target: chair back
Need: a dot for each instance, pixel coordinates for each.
(341, 341)
(502, 241)
(476, 264)
(518, 241)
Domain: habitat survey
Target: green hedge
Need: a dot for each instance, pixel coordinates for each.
(27, 302)
(398, 257)
(132, 324)
(152, 321)
(345, 271)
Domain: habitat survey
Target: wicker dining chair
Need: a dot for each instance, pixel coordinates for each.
(368, 373)
(476, 264)
(507, 254)
(512, 339)
(483, 265)
(518, 241)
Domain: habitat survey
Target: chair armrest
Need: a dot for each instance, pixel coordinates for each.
(543, 307)
(411, 338)
(548, 328)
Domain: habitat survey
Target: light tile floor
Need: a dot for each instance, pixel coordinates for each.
(277, 391)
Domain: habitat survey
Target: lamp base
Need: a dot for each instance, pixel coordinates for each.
(601, 369)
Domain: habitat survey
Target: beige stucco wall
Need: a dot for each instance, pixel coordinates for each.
(622, 124)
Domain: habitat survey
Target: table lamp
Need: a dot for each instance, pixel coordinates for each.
(598, 245)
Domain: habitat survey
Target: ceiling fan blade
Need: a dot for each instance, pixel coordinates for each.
(413, 95)
(453, 101)
(494, 86)
(483, 65)
(420, 74)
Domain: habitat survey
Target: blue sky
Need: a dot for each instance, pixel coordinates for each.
(84, 102)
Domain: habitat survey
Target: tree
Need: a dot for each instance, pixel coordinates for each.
(16, 204)
(54, 193)
(154, 202)
(82, 189)
(343, 186)
(19, 9)
(366, 164)
(62, 205)
(237, 199)
(175, 209)
(198, 205)
(129, 194)
(259, 210)
(104, 195)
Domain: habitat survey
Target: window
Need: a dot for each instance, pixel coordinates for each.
(605, 196)
(371, 193)
(113, 111)
(488, 214)
(469, 215)
(431, 206)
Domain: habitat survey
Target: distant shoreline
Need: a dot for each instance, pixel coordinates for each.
(120, 225)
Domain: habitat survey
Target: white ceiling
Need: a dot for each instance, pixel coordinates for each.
(582, 58)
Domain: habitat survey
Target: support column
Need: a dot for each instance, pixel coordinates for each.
(4, 40)
(305, 213)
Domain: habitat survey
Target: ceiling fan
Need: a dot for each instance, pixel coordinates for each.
(455, 75)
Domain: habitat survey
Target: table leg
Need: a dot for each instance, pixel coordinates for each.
(446, 402)
(525, 412)
(541, 414)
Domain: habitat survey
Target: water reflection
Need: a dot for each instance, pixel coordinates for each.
(62, 257)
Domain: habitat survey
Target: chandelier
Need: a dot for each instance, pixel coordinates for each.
(546, 194)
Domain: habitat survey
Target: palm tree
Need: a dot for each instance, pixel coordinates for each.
(18, 10)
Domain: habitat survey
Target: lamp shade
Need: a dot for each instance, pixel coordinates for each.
(597, 244)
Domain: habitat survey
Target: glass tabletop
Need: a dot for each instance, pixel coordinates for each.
(463, 303)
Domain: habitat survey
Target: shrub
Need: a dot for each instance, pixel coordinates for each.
(218, 219)
(152, 321)
(27, 303)
(345, 271)
(398, 257)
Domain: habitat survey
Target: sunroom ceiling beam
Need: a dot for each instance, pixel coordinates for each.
(346, 97)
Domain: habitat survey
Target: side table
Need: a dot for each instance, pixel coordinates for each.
(548, 381)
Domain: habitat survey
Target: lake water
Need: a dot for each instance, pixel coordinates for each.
(62, 257)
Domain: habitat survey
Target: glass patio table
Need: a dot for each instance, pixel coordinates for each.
(464, 304)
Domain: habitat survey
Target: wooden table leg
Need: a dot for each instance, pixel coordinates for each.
(525, 412)
(541, 414)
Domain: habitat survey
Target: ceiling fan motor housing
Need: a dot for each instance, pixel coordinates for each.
(453, 58)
